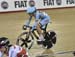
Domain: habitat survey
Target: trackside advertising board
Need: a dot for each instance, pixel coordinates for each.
(17, 5)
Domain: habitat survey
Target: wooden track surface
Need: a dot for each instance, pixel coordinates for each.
(63, 23)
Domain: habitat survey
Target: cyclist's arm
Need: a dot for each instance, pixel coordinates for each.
(28, 21)
(1, 54)
(10, 53)
(36, 21)
(35, 24)
(37, 18)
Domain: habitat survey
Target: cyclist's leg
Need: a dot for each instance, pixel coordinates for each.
(39, 31)
(38, 27)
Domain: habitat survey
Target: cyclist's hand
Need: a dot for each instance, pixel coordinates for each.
(33, 28)
(24, 27)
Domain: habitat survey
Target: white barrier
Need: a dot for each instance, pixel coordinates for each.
(17, 5)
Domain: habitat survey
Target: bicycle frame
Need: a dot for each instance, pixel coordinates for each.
(44, 31)
(28, 35)
(30, 27)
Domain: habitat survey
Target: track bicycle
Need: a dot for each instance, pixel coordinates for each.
(27, 38)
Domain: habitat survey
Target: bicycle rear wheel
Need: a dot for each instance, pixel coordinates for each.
(50, 39)
(25, 40)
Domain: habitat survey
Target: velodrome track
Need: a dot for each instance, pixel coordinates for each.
(63, 23)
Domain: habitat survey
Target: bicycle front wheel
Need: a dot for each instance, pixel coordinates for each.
(25, 40)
